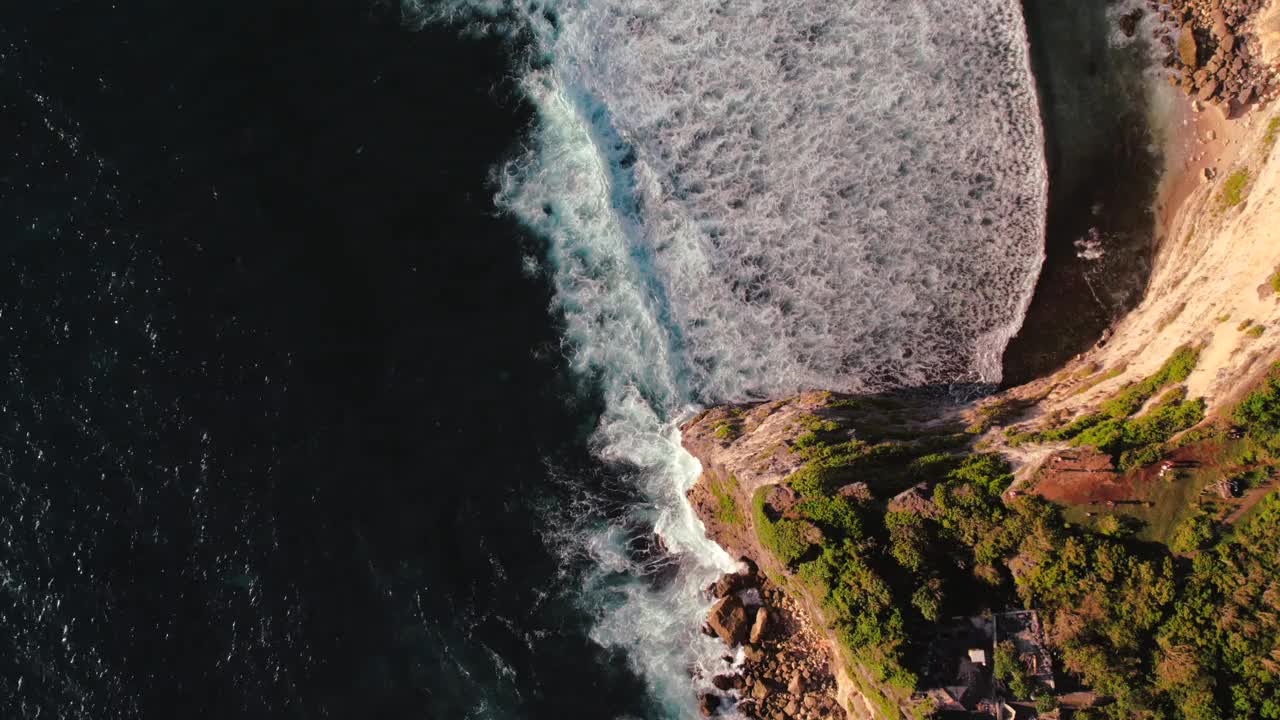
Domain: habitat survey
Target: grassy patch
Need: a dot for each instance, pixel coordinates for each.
(1110, 420)
(1256, 331)
(1175, 370)
(1223, 317)
(786, 539)
(1130, 441)
(1155, 509)
(726, 431)
(726, 507)
(1234, 189)
(1272, 134)
(1274, 281)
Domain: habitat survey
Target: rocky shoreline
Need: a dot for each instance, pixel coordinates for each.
(1213, 52)
(784, 673)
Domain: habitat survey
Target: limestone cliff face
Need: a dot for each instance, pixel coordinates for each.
(1213, 286)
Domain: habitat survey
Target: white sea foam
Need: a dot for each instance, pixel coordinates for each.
(746, 198)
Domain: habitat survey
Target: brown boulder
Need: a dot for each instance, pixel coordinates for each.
(757, 628)
(857, 492)
(1208, 90)
(728, 584)
(781, 499)
(723, 682)
(728, 619)
(1187, 48)
(708, 704)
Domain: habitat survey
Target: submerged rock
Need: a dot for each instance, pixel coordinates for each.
(1129, 22)
(708, 703)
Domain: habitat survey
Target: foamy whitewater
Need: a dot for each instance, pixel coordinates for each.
(742, 199)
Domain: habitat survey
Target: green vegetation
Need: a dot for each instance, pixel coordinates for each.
(1273, 133)
(1008, 669)
(1193, 533)
(1156, 635)
(787, 539)
(1132, 442)
(1223, 317)
(1259, 413)
(1233, 190)
(726, 431)
(1274, 281)
(1256, 331)
(726, 507)
(1219, 652)
(1175, 370)
(1244, 325)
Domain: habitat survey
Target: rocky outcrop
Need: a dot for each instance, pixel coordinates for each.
(786, 673)
(1213, 50)
(728, 620)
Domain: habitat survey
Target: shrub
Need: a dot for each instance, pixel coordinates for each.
(1256, 331)
(928, 599)
(1135, 441)
(835, 513)
(1192, 533)
(1274, 280)
(1010, 670)
(786, 539)
(726, 507)
(1272, 134)
(987, 471)
(1259, 413)
(726, 431)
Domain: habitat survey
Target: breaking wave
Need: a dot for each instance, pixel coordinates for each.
(742, 199)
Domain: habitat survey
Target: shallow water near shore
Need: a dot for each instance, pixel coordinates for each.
(1096, 93)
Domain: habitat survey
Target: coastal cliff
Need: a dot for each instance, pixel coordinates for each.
(1095, 511)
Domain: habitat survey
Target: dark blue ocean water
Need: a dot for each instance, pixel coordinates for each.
(279, 401)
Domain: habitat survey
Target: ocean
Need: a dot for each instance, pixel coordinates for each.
(347, 341)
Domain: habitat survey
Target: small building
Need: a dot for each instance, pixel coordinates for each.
(977, 656)
(945, 701)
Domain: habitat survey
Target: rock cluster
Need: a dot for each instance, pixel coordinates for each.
(785, 675)
(1211, 50)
